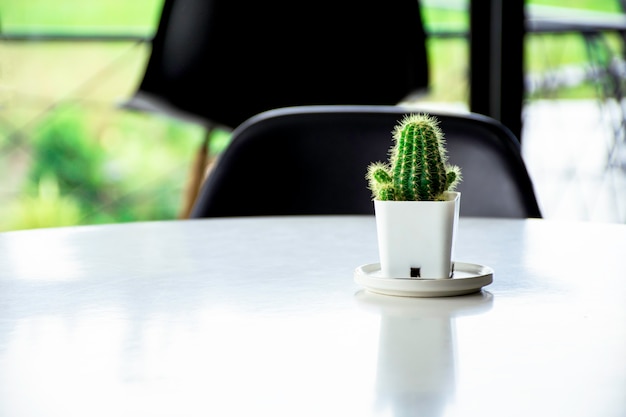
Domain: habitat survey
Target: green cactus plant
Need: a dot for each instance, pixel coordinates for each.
(417, 169)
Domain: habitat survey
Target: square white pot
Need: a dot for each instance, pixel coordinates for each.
(416, 238)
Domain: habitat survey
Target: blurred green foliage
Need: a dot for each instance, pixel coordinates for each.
(138, 17)
(66, 154)
(90, 167)
(46, 207)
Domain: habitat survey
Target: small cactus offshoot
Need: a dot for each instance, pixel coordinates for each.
(417, 169)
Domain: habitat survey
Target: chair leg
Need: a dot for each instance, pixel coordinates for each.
(197, 174)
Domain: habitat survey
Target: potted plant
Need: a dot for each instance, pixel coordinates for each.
(415, 204)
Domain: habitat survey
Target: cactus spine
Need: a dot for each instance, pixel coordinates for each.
(417, 168)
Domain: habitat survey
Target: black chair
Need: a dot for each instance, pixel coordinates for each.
(313, 160)
(219, 62)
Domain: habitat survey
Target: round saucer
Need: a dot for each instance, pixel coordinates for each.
(467, 278)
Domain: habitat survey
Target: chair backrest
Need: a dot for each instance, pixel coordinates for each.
(227, 60)
(313, 160)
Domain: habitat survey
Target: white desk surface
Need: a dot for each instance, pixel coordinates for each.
(261, 317)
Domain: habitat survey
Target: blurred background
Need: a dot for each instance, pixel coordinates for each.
(70, 155)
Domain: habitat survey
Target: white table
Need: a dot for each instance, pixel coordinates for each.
(262, 317)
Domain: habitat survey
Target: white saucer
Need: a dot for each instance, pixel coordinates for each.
(467, 278)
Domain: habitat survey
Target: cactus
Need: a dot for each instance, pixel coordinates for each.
(417, 168)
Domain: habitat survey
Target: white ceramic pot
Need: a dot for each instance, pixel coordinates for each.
(416, 238)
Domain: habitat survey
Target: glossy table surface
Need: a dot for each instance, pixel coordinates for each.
(262, 317)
